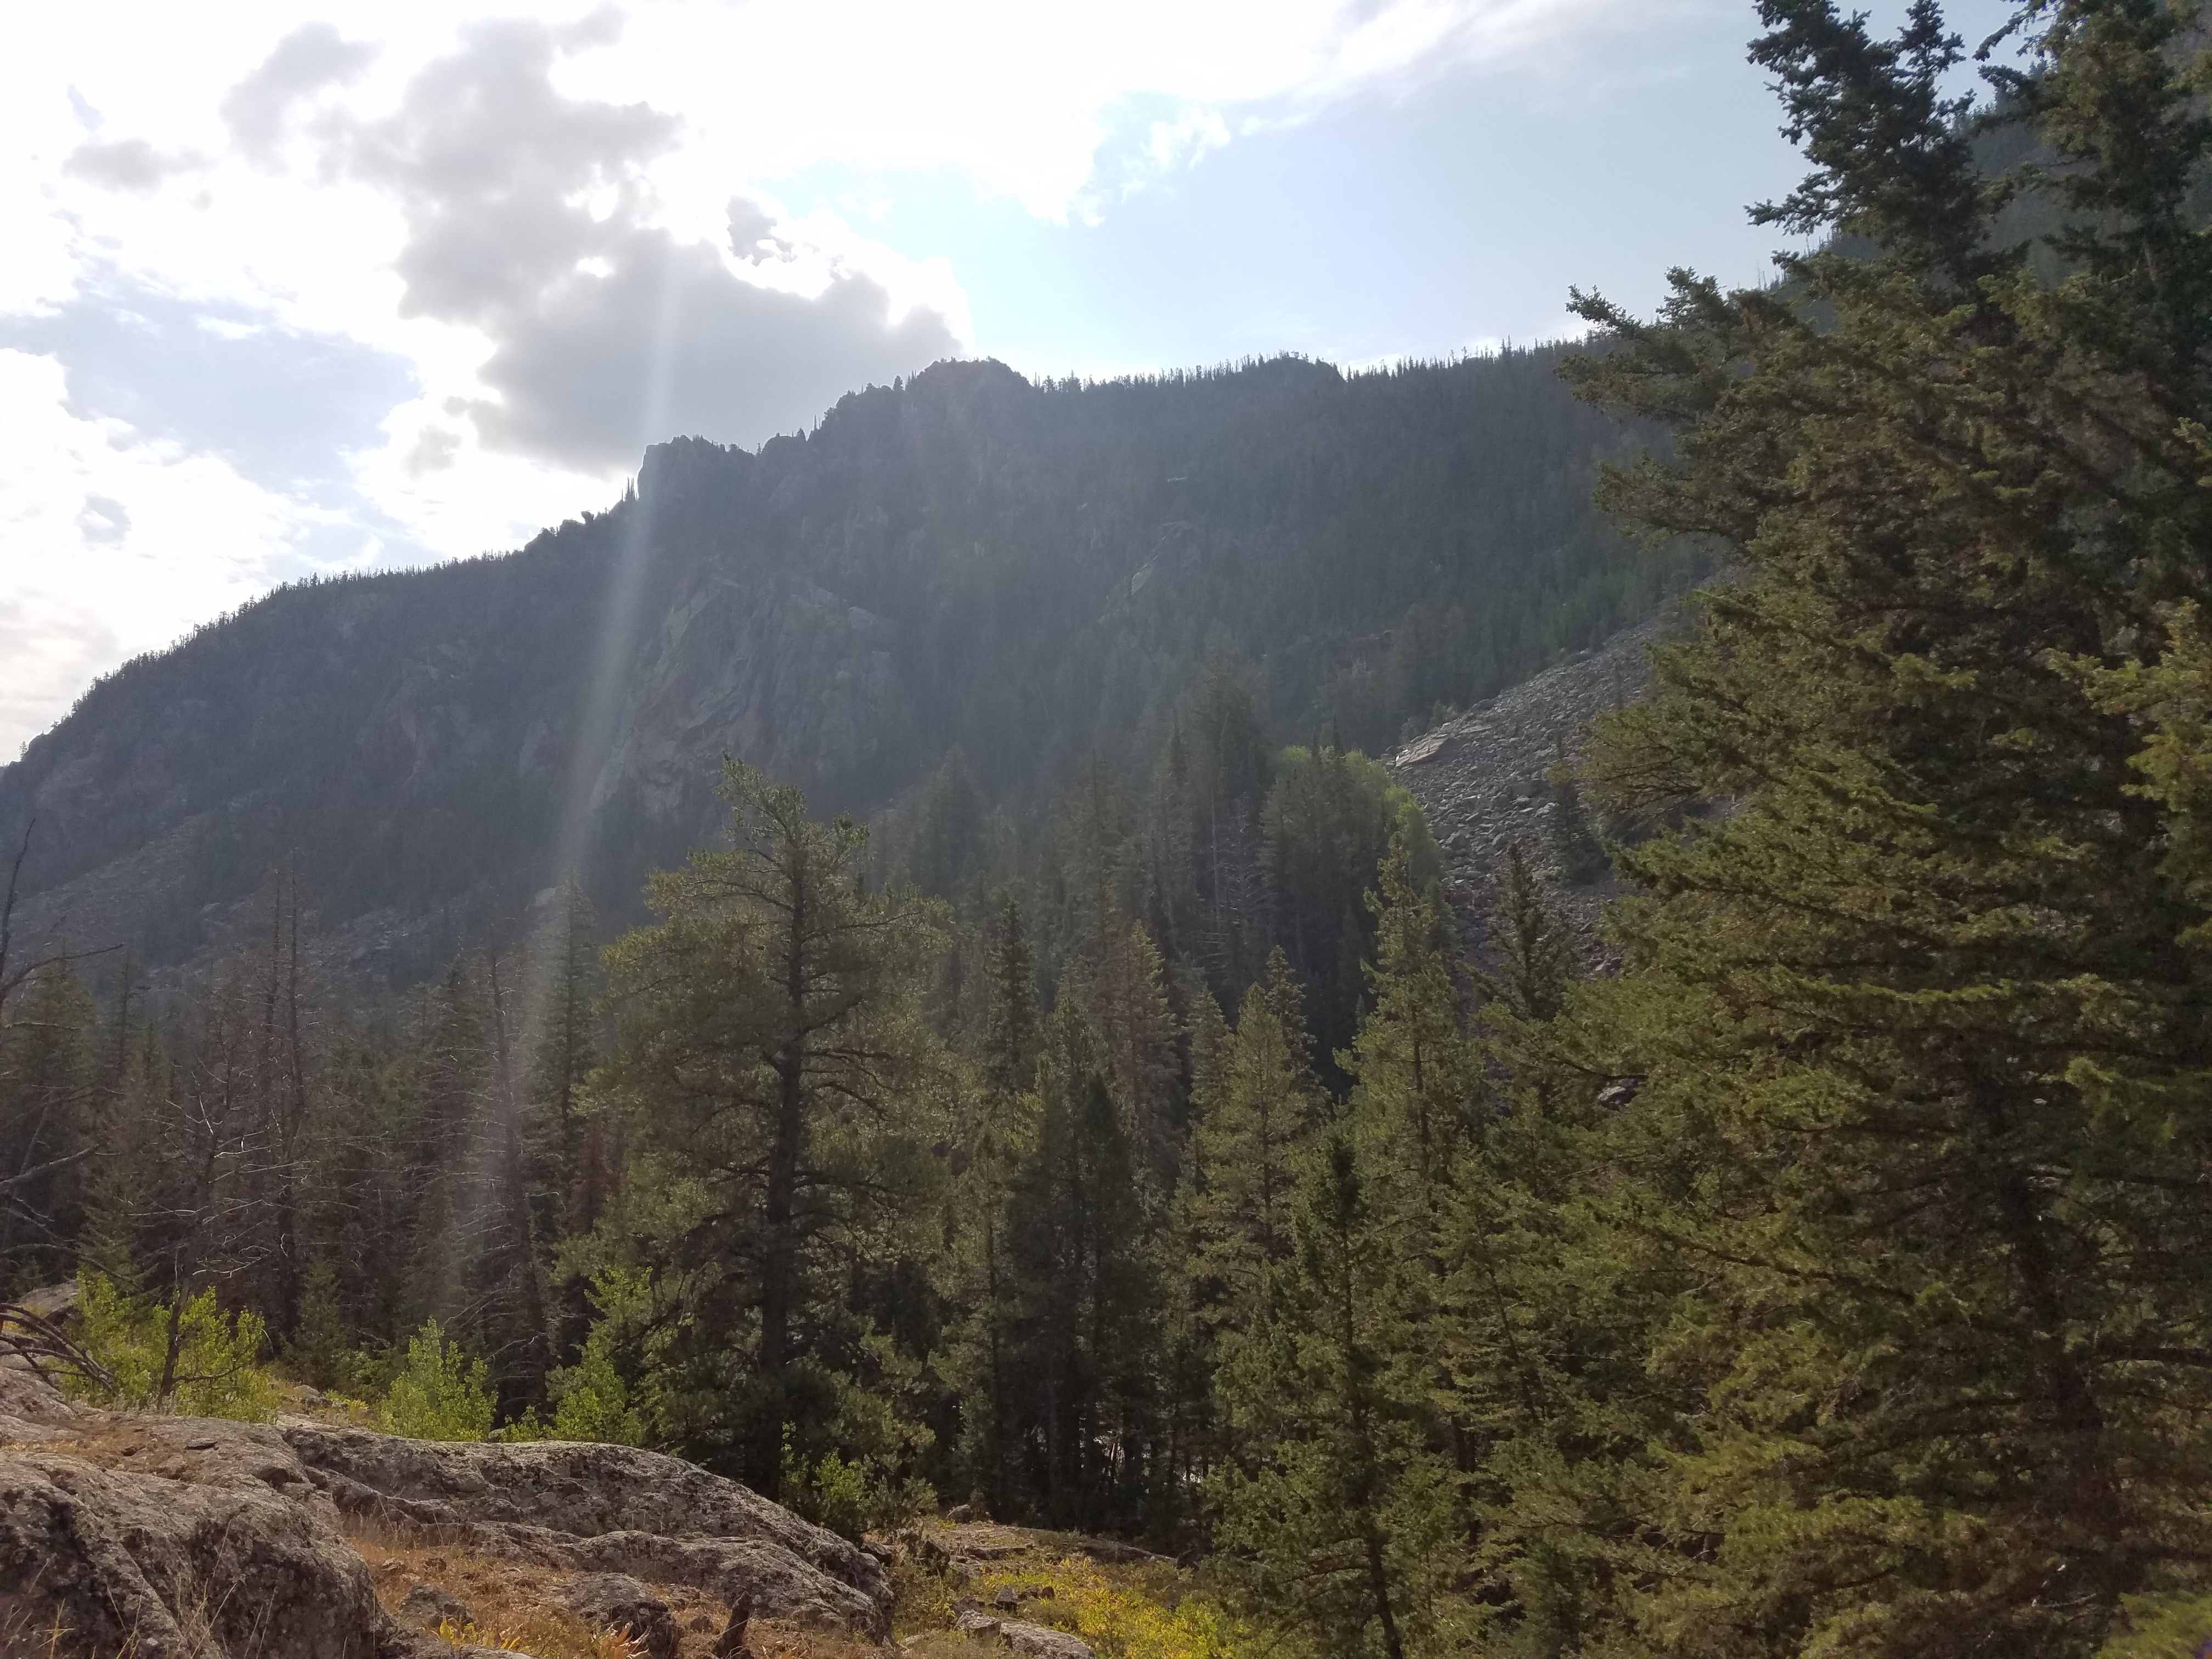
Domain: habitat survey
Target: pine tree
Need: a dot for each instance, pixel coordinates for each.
(1257, 1104)
(1082, 1346)
(1545, 1320)
(946, 842)
(1329, 822)
(778, 1076)
(999, 1137)
(1536, 954)
(444, 1086)
(1192, 1299)
(1125, 994)
(1012, 1032)
(1907, 1019)
(1262, 1104)
(567, 1047)
(511, 1298)
(321, 1345)
(1172, 908)
(1230, 771)
(1581, 854)
(119, 1185)
(1092, 854)
(1338, 1515)
(1413, 1068)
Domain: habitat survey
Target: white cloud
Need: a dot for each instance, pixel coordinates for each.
(310, 61)
(111, 545)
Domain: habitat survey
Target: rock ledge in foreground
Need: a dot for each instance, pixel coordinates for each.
(191, 1538)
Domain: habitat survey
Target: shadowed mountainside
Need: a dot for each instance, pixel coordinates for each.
(1035, 572)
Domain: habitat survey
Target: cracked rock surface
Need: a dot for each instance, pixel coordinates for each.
(194, 1538)
(600, 1509)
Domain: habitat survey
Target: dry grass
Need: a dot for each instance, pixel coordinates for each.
(298, 1399)
(922, 1599)
(517, 1606)
(542, 1638)
(24, 1634)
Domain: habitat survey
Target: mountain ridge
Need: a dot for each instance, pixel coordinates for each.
(1032, 572)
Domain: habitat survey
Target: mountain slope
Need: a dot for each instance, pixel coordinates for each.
(1032, 572)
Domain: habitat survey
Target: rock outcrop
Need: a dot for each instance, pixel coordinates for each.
(173, 1536)
(616, 1601)
(170, 1567)
(426, 1607)
(599, 1509)
(1033, 1641)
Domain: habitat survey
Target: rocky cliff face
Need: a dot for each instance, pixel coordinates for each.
(1033, 573)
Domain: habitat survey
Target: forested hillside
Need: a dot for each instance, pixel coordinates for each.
(1034, 574)
(1828, 1272)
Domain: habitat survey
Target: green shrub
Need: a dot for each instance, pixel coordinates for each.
(852, 1497)
(217, 1369)
(439, 1393)
(828, 1492)
(590, 1401)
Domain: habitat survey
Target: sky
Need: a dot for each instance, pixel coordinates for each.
(288, 289)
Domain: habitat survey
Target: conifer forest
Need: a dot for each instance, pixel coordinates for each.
(1091, 1105)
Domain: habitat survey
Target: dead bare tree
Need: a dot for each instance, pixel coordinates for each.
(40, 1343)
(211, 1210)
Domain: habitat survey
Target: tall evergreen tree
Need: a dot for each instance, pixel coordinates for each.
(1909, 1020)
(1084, 1339)
(119, 1183)
(1231, 767)
(1534, 952)
(1574, 838)
(1093, 869)
(569, 1161)
(1126, 995)
(999, 1138)
(1414, 1069)
(510, 1294)
(946, 842)
(1262, 1106)
(1339, 1514)
(1329, 820)
(777, 1074)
